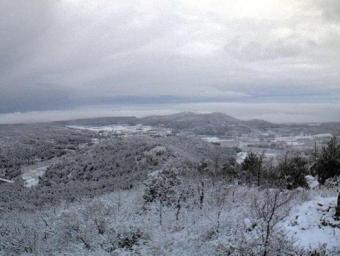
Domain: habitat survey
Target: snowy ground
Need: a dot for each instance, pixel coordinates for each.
(240, 157)
(212, 139)
(31, 173)
(31, 177)
(312, 224)
(114, 128)
(226, 225)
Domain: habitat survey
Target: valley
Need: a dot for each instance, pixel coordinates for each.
(127, 186)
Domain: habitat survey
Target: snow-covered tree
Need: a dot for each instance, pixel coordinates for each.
(161, 186)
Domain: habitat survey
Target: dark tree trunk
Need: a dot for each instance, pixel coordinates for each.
(202, 195)
(178, 206)
(337, 209)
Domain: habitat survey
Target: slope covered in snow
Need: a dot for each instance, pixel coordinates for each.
(312, 224)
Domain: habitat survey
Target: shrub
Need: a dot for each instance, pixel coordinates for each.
(230, 169)
(293, 171)
(123, 238)
(129, 238)
(327, 164)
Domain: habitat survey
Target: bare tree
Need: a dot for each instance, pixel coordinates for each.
(220, 197)
(268, 212)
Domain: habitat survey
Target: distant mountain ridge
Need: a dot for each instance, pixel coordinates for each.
(214, 124)
(199, 123)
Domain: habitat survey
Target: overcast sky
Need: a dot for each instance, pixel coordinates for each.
(69, 53)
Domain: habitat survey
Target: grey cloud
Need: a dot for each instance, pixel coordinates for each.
(57, 54)
(330, 9)
(270, 50)
(34, 98)
(21, 23)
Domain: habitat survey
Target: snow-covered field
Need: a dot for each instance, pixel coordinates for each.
(212, 139)
(117, 129)
(31, 173)
(31, 177)
(303, 139)
(272, 147)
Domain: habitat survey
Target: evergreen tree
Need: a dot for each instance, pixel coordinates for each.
(253, 164)
(293, 171)
(327, 164)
